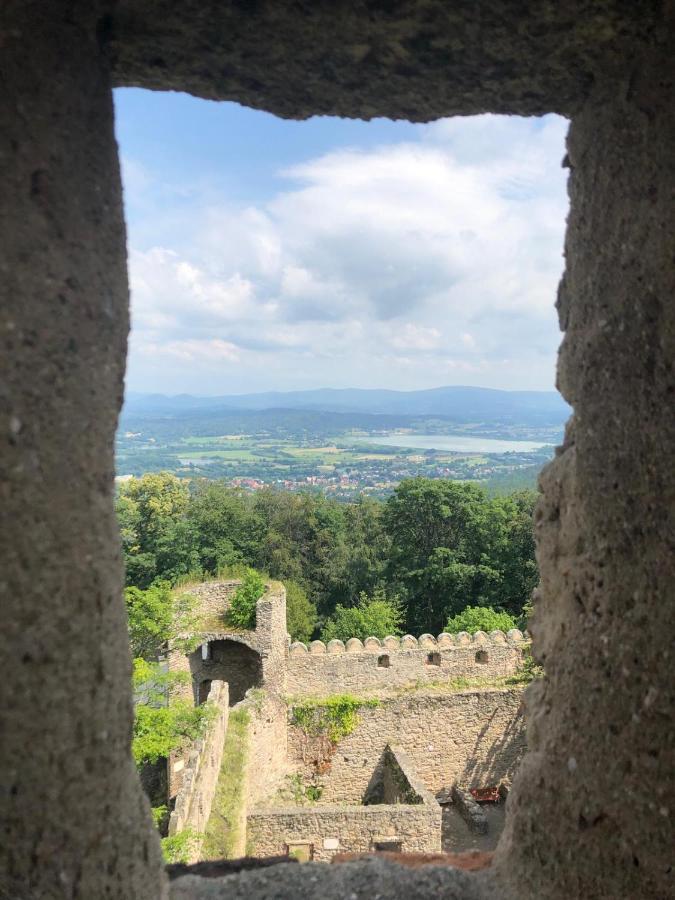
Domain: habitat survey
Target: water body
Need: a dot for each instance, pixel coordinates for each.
(456, 443)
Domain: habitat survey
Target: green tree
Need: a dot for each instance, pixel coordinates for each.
(480, 618)
(300, 613)
(228, 530)
(162, 721)
(517, 554)
(443, 554)
(149, 614)
(241, 612)
(375, 616)
(148, 509)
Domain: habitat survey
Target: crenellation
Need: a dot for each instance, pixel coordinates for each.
(372, 645)
(515, 635)
(427, 640)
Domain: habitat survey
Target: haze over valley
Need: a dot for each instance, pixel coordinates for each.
(344, 442)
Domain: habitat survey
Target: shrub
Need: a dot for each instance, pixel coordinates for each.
(149, 615)
(163, 723)
(178, 848)
(300, 613)
(336, 717)
(480, 618)
(241, 613)
(375, 616)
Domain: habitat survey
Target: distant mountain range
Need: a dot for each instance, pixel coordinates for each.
(462, 404)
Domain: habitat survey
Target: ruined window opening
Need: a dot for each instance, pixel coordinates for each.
(433, 659)
(482, 656)
(300, 850)
(383, 661)
(388, 846)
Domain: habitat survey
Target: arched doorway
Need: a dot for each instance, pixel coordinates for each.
(227, 660)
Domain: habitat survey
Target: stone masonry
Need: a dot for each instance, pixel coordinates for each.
(444, 735)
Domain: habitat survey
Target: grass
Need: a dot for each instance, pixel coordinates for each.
(459, 685)
(225, 830)
(211, 439)
(452, 686)
(236, 453)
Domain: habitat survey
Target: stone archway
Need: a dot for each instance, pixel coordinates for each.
(231, 661)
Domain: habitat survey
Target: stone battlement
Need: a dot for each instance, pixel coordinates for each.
(393, 663)
(408, 642)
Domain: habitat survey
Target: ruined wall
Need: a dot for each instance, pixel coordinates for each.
(474, 738)
(243, 658)
(380, 666)
(334, 828)
(411, 817)
(272, 635)
(267, 756)
(201, 768)
(212, 597)
(400, 783)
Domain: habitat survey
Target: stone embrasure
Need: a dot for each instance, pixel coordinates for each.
(396, 58)
(362, 880)
(591, 813)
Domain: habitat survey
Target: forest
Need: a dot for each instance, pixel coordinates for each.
(421, 557)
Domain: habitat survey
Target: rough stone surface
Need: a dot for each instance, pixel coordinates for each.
(594, 802)
(397, 58)
(74, 822)
(363, 880)
(358, 671)
(474, 738)
(400, 810)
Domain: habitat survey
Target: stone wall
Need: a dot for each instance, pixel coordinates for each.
(379, 666)
(267, 755)
(200, 771)
(475, 738)
(331, 829)
(213, 597)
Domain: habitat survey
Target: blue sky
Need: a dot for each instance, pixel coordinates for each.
(268, 254)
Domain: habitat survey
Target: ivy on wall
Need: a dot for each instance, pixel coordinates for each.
(335, 717)
(324, 723)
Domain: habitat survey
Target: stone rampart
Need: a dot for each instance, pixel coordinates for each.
(393, 663)
(201, 768)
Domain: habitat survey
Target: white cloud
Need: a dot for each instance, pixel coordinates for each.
(430, 249)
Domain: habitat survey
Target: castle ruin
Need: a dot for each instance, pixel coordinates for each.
(430, 719)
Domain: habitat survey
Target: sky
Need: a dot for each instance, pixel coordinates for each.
(276, 255)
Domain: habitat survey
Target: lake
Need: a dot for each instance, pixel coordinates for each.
(455, 442)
